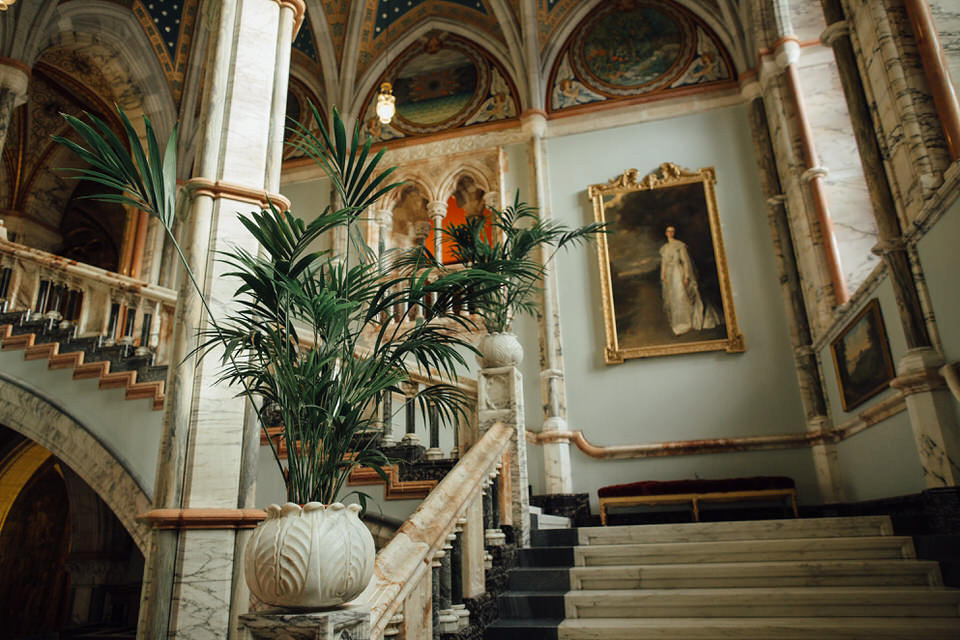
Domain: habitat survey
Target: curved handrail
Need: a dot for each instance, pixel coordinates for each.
(403, 562)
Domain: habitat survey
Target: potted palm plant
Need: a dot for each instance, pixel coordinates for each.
(314, 337)
(511, 254)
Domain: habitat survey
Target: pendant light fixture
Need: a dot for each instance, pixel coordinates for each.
(6, 3)
(386, 101)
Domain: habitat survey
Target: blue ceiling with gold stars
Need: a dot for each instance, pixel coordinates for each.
(166, 16)
(388, 11)
(304, 42)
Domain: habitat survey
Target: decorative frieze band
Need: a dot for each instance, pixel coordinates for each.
(203, 518)
(240, 193)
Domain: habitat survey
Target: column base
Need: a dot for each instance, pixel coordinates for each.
(494, 538)
(410, 440)
(353, 622)
(433, 453)
(463, 616)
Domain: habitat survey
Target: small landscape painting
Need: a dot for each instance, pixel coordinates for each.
(861, 357)
(665, 284)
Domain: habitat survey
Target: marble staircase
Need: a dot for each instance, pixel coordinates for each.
(115, 365)
(797, 578)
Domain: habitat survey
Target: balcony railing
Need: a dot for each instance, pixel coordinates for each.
(97, 302)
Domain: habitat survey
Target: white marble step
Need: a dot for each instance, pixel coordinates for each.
(765, 603)
(760, 629)
(549, 521)
(753, 530)
(851, 548)
(759, 574)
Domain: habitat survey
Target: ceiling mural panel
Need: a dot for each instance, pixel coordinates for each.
(305, 43)
(395, 17)
(625, 50)
(336, 13)
(443, 82)
(169, 24)
(552, 13)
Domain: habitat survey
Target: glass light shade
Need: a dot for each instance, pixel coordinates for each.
(6, 3)
(386, 103)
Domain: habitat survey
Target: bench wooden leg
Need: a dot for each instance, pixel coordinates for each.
(793, 502)
(696, 511)
(603, 514)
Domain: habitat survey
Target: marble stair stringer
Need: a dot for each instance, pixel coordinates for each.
(50, 351)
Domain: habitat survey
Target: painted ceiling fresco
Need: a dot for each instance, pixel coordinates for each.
(393, 17)
(653, 47)
(169, 26)
(443, 82)
(336, 13)
(551, 15)
(305, 43)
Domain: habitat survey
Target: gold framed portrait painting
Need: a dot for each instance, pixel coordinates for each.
(663, 269)
(861, 357)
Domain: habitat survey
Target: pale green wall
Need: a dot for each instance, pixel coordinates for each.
(707, 395)
(941, 263)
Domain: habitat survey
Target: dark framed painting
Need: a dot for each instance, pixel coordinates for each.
(663, 270)
(861, 357)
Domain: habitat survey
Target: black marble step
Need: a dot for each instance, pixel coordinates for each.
(544, 629)
(539, 579)
(554, 537)
(942, 548)
(523, 605)
(546, 557)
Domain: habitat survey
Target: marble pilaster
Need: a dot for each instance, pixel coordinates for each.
(14, 79)
(932, 416)
(812, 394)
(500, 399)
(190, 584)
(558, 474)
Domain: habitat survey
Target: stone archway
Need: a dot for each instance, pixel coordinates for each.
(55, 429)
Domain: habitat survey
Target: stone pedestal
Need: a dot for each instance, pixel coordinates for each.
(500, 399)
(348, 623)
(932, 416)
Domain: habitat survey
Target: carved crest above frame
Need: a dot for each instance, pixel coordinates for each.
(666, 287)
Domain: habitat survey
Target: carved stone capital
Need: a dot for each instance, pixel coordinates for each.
(437, 209)
(384, 219)
(15, 77)
(491, 199)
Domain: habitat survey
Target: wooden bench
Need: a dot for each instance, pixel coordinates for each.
(696, 491)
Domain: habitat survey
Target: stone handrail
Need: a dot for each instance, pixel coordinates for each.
(405, 562)
(99, 302)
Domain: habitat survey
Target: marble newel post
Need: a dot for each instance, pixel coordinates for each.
(808, 369)
(500, 399)
(193, 586)
(928, 402)
(556, 453)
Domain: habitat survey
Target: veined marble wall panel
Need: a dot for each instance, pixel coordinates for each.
(946, 15)
(807, 21)
(854, 225)
(706, 395)
(911, 138)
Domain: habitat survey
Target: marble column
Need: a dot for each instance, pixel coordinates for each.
(434, 452)
(410, 412)
(192, 587)
(558, 474)
(890, 244)
(14, 80)
(500, 399)
(932, 416)
(438, 211)
(812, 394)
(384, 218)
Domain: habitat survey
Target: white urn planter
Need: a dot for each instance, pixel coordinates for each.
(499, 350)
(311, 557)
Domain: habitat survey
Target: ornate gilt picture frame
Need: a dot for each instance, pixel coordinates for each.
(666, 288)
(861, 357)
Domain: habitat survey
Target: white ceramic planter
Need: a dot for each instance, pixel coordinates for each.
(499, 350)
(311, 557)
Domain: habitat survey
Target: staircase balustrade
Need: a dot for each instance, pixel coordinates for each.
(96, 301)
(436, 557)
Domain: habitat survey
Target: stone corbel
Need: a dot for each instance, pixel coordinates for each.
(835, 31)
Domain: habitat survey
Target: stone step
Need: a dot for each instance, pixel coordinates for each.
(763, 603)
(742, 574)
(751, 530)
(751, 629)
(851, 548)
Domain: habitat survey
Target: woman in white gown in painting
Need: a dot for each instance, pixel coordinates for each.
(681, 295)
